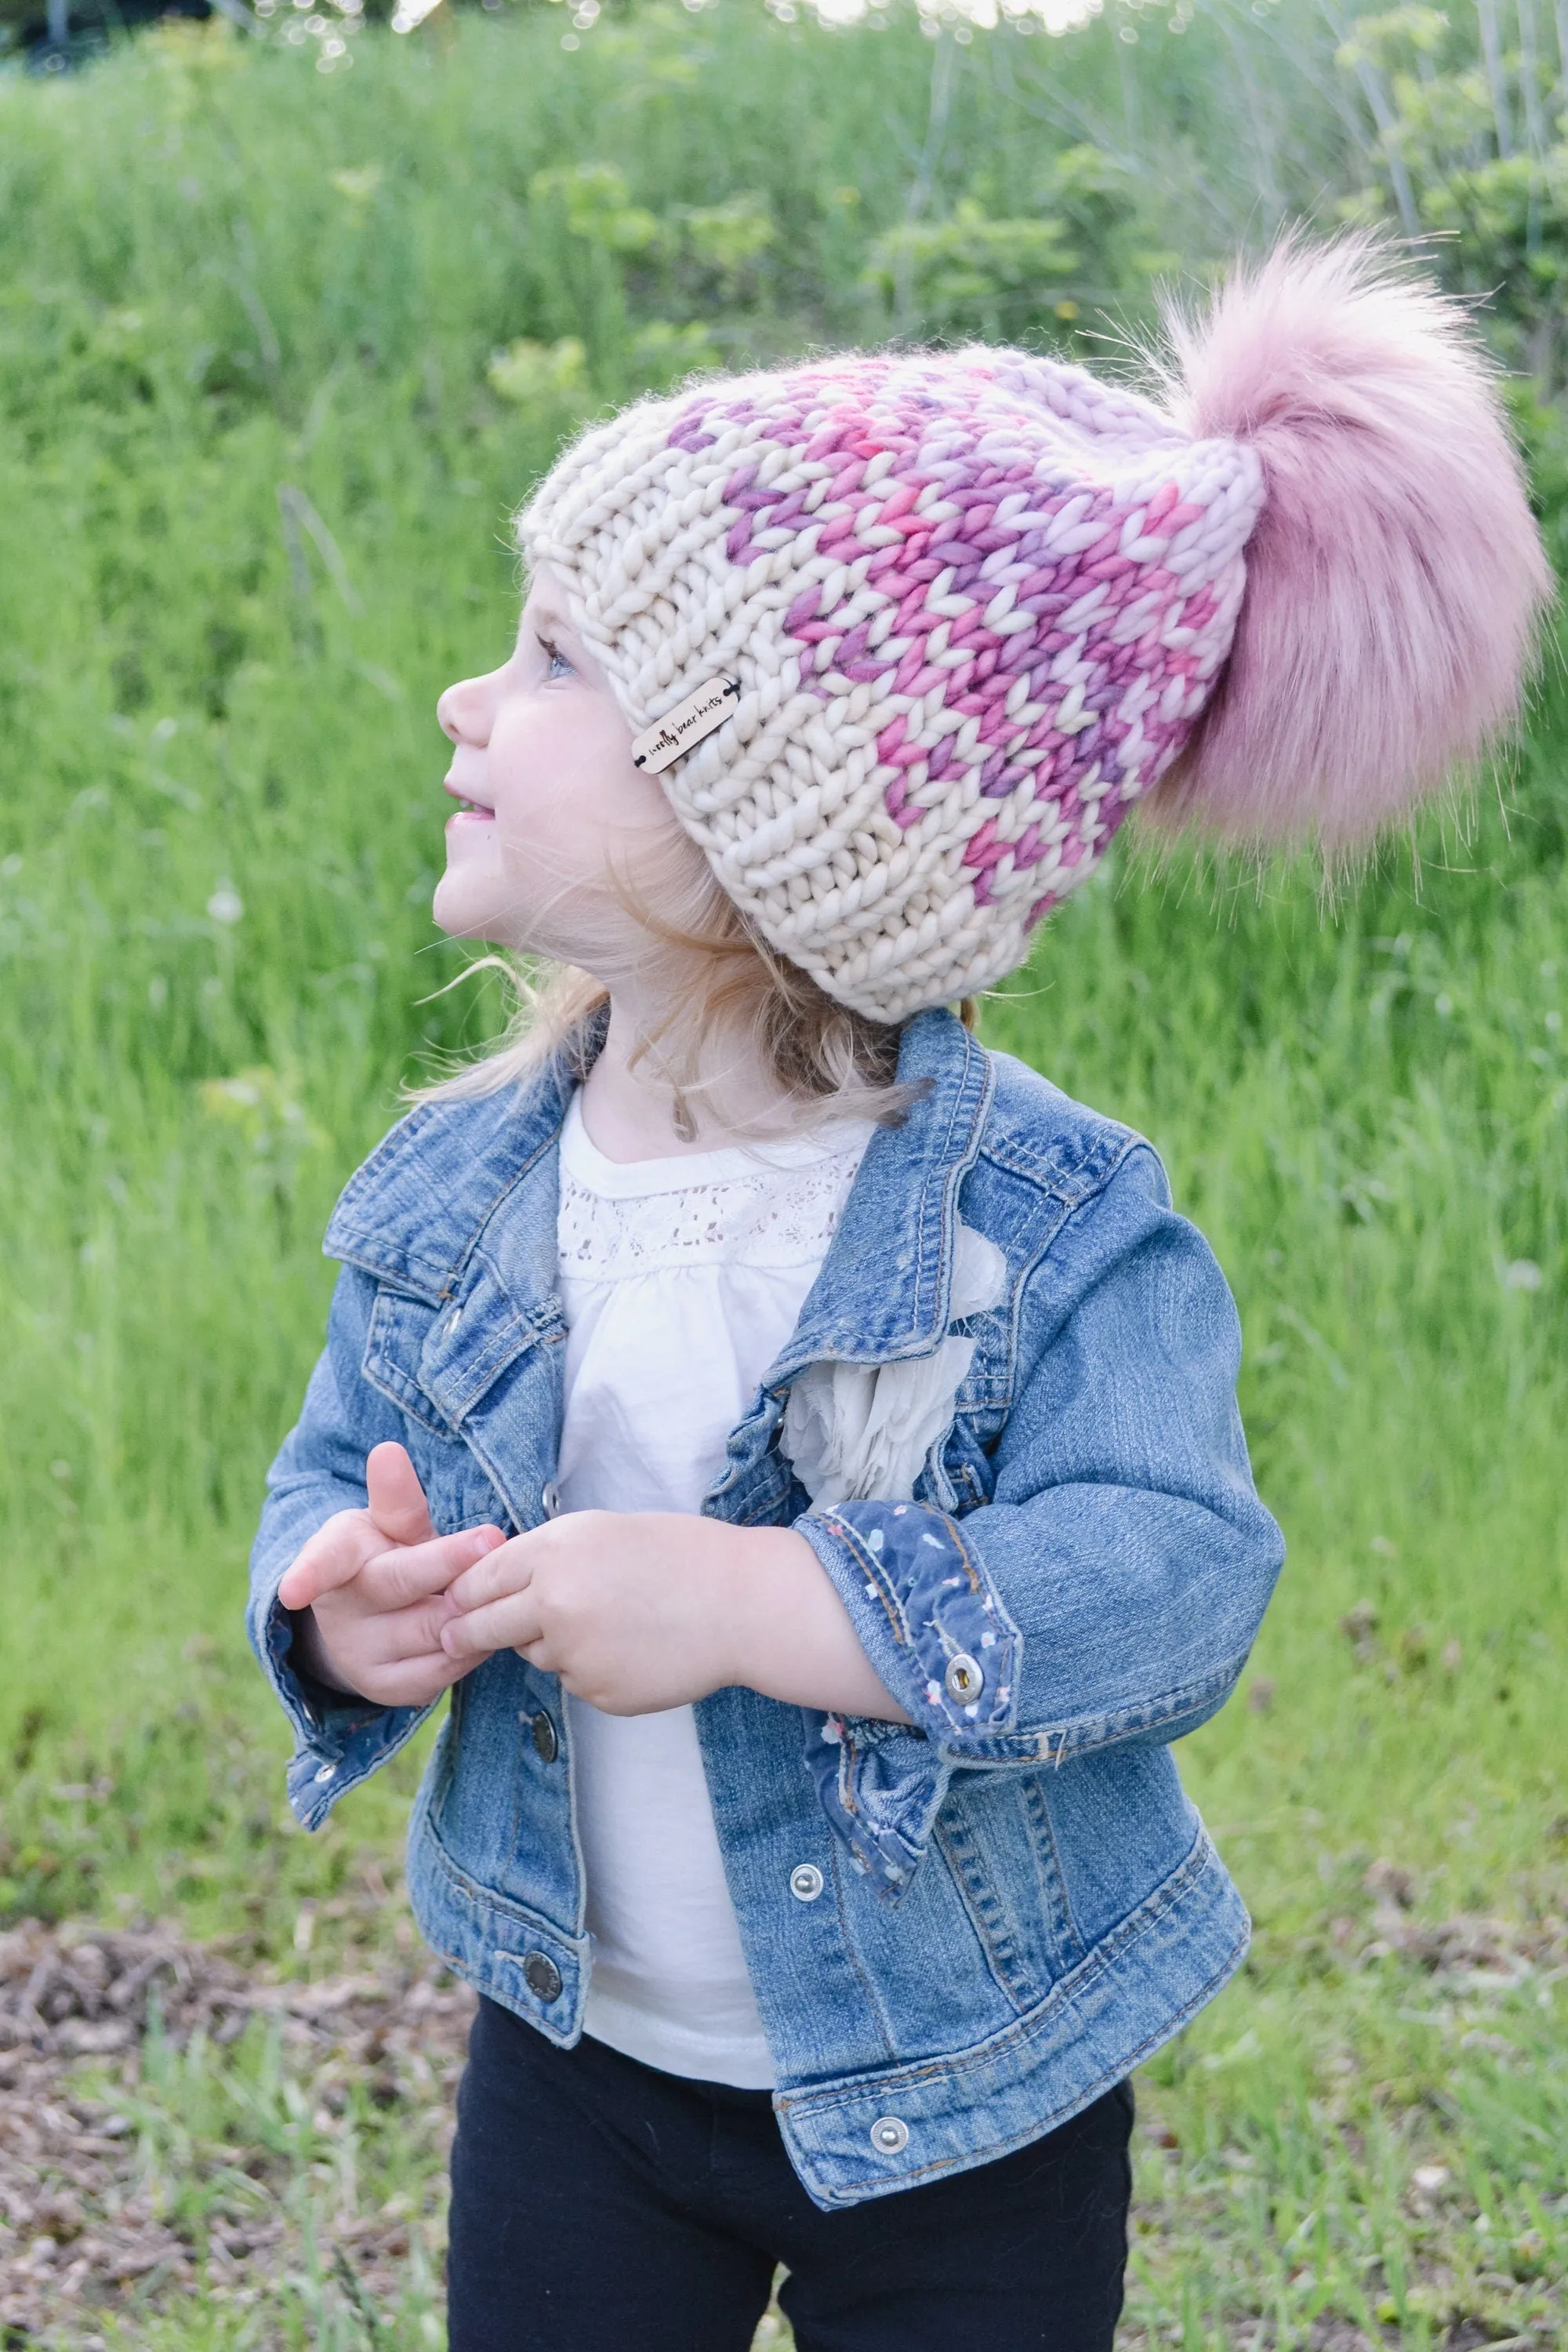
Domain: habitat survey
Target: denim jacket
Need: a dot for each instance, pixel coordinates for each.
(958, 1933)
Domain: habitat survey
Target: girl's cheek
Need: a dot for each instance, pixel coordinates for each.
(548, 815)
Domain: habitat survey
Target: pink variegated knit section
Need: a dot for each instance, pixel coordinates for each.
(975, 604)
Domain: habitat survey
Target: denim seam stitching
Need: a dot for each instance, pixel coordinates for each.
(1073, 1931)
(1102, 1154)
(851, 1952)
(1102, 2083)
(452, 1274)
(490, 1899)
(892, 1606)
(513, 1341)
(1131, 1723)
(417, 1402)
(1011, 1979)
(1200, 1857)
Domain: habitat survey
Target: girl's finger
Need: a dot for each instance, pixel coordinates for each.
(394, 1579)
(508, 1625)
(414, 1633)
(415, 1682)
(334, 1555)
(397, 1502)
(503, 1568)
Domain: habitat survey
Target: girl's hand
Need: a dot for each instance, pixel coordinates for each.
(638, 1611)
(372, 1585)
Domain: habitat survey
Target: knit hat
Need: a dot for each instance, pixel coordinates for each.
(972, 607)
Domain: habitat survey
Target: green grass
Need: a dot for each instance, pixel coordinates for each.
(253, 477)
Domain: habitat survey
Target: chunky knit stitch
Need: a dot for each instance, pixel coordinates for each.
(975, 604)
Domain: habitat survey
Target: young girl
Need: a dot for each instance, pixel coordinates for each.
(805, 1443)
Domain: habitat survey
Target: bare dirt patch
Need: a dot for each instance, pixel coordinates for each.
(87, 2219)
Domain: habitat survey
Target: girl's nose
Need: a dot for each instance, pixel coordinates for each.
(463, 713)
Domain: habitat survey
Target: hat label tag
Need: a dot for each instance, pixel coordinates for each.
(687, 724)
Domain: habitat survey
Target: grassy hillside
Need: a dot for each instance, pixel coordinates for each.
(277, 353)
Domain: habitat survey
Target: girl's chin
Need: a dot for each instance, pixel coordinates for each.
(464, 912)
(470, 903)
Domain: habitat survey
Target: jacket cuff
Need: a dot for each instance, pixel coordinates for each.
(927, 1616)
(339, 1739)
(882, 1786)
(942, 1644)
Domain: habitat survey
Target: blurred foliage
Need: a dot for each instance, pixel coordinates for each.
(541, 375)
(1542, 430)
(1090, 248)
(1469, 151)
(930, 181)
(972, 275)
(592, 202)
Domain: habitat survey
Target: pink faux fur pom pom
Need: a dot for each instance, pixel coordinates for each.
(1396, 578)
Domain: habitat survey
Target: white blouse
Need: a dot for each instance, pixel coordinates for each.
(682, 1278)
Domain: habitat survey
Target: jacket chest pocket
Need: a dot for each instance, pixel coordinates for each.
(399, 1328)
(457, 1488)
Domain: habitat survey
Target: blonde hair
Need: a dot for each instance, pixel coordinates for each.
(828, 1062)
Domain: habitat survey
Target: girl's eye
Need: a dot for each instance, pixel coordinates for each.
(556, 663)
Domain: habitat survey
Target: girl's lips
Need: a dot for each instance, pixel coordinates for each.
(467, 804)
(470, 817)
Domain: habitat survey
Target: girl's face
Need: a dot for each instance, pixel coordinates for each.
(552, 807)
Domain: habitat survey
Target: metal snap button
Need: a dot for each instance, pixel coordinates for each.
(964, 1678)
(806, 1881)
(542, 1976)
(545, 1744)
(550, 1497)
(328, 1772)
(890, 2135)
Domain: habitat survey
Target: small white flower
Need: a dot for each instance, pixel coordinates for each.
(1522, 1274)
(226, 905)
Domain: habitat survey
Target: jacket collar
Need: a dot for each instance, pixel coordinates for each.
(417, 1211)
(883, 1288)
(414, 1213)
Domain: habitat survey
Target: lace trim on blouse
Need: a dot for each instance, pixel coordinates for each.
(758, 1215)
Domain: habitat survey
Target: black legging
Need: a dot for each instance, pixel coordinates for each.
(600, 2205)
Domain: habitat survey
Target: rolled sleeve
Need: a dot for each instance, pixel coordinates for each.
(1111, 1588)
(929, 1618)
(339, 1739)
